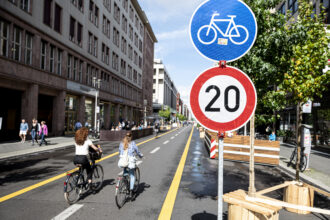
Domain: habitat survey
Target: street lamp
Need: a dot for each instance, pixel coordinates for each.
(145, 102)
(96, 85)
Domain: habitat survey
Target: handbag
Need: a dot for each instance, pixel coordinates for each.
(123, 160)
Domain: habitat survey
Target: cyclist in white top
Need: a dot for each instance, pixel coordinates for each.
(82, 144)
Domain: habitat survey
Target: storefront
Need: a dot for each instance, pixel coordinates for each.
(89, 112)
(70, 113)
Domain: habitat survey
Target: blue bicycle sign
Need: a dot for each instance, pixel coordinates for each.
(223, 30)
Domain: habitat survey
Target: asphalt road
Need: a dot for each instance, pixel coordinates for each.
(196, 197)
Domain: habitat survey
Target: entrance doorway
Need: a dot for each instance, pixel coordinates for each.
(70, 113)
(10, 112)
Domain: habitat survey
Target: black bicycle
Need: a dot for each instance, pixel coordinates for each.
(303, 159)
(123, 187)
(76, 183)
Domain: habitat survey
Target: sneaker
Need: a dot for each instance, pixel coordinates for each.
(131, 194)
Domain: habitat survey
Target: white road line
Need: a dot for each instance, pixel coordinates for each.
(68, 212)
(176, 135)
(166, 142)
(155, 150)
(172, 138)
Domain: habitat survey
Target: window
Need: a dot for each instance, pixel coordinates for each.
(108, 29)
(80, 71)
(134, 76)
(293, 6)
(135, 58)
(69, 66)
(129, 72)
(88, 74)
(95, 47)
(107, 54)
(130, 33)
(123, 45)
(125, 5)
(51, 58)
(75, 66)
(96, 16)
(81, 5)
(107, 4)
(59, 62)
(137, 21)
(115, 61)
(72, 28)
(90, 43)
(4, 32)
(141, 29)
(140, 45)
(116, 13)
(139, 79)
(104, 23)
(103, 52)
(79, 34)
(57, 19)
(124, 23)
(140, 62)
(160, 81)
(130, 52)
(122, 67)
(43, 55)
(47, 11)
(115, 36)
(25, 5)
(91, 9)
(17, 44)
(131, 12)
(136, 40)
(326, 10)
(28, 49)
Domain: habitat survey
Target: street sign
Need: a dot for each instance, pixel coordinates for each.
(223, 30)
(223, 99)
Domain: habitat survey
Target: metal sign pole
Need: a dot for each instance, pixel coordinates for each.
(220, 174)
(252, 188)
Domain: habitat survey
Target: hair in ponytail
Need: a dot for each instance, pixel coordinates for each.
(127, 139)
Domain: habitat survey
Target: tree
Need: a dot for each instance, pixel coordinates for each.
(181, 117)
(305, 79)
(165, 113)
(267, 61)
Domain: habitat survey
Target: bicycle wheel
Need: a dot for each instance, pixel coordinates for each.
(208, 38)
(293, 155)
(137, 179)
(97, 177)
(122, 191)
(303, 163)
(73, 188)
(242, 35)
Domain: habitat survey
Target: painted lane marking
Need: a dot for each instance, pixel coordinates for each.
(155, 150)
(168, 204)
(176, 135)
(172, 138)
(52, 179)
(166, 142)
(68, 212)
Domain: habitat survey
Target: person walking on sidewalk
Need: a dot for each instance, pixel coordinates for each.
(34, 131)
(24, 127)
(43, 132)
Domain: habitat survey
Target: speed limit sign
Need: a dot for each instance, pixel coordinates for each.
(223, 99)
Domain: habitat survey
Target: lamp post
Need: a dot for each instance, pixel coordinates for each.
(96, 85)
(145, 102)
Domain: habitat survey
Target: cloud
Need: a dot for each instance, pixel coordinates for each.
(174, 34)
(184, 93)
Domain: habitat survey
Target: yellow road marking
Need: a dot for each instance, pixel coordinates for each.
(29, 188)
(166, 212)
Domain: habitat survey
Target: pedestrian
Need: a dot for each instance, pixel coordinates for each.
(43, 132)
(272, 136)
(77, 126)
(34, 131)
(24, 127)
(86, 124)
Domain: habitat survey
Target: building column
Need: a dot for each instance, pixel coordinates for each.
(81, 109)
(116, 113)
(131, 114)
(125, 115)
(30, 103)
(59, 113)
(107, 112)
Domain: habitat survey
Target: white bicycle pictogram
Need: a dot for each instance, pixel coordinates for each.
(229, 32)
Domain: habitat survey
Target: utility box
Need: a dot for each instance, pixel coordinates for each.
(306, 141)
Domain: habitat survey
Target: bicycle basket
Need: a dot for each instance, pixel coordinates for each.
(95, 155)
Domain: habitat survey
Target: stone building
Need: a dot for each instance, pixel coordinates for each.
(53, 51)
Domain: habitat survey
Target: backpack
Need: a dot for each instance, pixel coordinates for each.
(123, 160)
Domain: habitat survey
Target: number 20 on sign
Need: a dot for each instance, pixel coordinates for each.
(223, 99)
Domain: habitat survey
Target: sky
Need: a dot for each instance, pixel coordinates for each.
(170, 20)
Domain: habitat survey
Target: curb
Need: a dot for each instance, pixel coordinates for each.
(304, 177)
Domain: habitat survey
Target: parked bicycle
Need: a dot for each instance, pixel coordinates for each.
(303, 159)
(237, 34)
(76, 183)
(123, 185)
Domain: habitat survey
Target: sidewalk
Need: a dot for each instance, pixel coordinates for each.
(313, 175)
(18, 149)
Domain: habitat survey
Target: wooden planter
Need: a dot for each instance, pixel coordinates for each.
(299, 195)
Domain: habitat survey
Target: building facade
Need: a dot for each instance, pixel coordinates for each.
(164, 90)
(52, 52)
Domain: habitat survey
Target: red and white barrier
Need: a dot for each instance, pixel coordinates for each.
(213, 149)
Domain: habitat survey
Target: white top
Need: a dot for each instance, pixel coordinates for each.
(83, 149)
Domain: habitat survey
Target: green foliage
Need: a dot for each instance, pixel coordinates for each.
(181, 117)
(165, 113)
(304, 78)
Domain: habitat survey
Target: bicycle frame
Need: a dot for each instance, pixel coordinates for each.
(231, 22)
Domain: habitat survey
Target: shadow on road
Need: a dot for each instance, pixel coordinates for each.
(107, 182)
(142, 188)
(206, 216)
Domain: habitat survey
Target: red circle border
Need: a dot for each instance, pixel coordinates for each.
(242, 118)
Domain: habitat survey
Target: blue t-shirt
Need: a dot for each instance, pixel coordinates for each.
(24, 127)
(272, 137)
